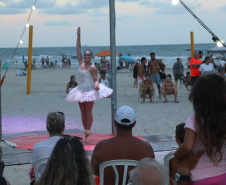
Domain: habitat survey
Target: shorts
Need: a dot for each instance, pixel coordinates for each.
(156, 78)
(177, 77)
(194, 79)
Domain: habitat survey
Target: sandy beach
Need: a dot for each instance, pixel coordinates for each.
(27, 113)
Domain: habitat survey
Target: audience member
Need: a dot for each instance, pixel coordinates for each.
(200, 55)
(103, 78)
(153, 69)
(179, 136)
(43, 62)
(149, 172)
(169, 88)
(147, 86)
(187, 80)
(55, 124)
(142, 69)
(221, 65)
(135, 72)
(68, 164)
(162, 72)
(72, 84)
(178, 71)
(206, 130)
(194, 65)
(206, 67)
(3, 180)
(122, 146)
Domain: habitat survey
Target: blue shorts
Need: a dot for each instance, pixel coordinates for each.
(156, 78)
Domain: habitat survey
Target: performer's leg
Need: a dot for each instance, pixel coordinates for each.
(89, 115)
(89, 118)
(83, 114)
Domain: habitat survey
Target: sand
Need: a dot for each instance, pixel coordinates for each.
(26, 113)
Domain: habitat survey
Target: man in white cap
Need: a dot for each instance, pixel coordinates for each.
(122, 146)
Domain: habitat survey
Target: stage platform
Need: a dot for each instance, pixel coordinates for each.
(13, 156)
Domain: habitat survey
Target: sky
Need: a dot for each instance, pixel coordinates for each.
(138, 22)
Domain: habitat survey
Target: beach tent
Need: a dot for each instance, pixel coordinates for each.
(217, 50)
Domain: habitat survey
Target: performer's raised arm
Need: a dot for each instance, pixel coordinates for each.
(78, 46)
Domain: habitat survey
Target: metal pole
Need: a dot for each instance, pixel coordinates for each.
(113, 63)
(192, 45)
(0, 105)
(29, 60)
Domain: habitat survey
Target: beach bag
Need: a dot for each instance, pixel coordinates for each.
(162, 75)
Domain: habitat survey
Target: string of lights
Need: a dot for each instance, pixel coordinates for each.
(219, 42)
(20, 40)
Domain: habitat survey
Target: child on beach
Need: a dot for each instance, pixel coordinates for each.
(205, 130)
(103, 78)
(169, 88)
(187, 80)
(147, 85)
(179, 136)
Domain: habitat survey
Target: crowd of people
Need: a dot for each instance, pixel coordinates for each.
(155, 69)
(200, 158)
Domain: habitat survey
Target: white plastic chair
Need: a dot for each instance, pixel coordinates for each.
(114, 163)
(39, 167)
(167, 159)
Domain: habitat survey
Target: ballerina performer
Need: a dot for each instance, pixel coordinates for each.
(88, 90)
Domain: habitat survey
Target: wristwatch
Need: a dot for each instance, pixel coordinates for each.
(179, 177)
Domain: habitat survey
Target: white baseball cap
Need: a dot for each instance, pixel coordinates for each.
(125, 112)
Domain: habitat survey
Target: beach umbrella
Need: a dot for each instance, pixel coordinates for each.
(104, 53)
(128, 59)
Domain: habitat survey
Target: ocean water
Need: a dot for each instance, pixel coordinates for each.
(168, 53)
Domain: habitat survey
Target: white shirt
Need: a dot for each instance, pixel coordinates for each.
(104, 82)
(43, 149)
(206, 69)
(222, 62)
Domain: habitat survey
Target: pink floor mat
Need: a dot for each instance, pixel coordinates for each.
(28, 142)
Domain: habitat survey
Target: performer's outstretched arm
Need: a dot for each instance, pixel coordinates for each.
(78, 46)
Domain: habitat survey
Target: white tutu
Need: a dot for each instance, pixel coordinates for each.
(77, 95)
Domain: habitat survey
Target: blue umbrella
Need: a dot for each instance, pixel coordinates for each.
(74, 56)
(128, 59)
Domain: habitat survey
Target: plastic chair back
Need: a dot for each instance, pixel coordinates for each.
(114, 163)
(167, 159)
(40, 167)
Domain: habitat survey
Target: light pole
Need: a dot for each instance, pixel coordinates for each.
(219, 42)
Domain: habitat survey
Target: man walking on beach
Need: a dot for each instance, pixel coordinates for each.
(178, 71)
(194, 65)
(122, 146)
(154, 67)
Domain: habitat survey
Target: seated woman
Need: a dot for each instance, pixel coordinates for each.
(72, 84)
(68, 164)
(55, 124)
(207, 67)
(169, 88)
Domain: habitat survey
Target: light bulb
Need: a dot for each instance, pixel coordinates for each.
(27, 25)
(21, 42)
(219, 44)
(33, 7)
(175, 2)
